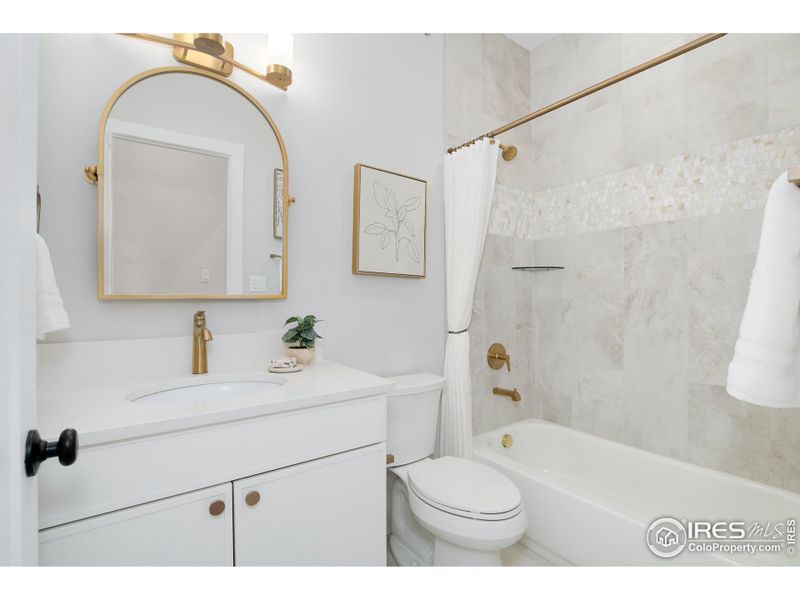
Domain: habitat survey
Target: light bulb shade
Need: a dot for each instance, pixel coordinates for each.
(280, 49)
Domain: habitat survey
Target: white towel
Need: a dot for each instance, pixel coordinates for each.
(50, 313)
(765, 368)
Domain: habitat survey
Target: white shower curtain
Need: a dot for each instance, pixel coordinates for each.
(469, 176)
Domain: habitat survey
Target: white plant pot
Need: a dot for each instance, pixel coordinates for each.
(303, 355)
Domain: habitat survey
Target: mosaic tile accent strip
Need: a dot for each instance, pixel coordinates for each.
(731, 176)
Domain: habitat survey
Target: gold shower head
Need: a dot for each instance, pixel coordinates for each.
(509, 152)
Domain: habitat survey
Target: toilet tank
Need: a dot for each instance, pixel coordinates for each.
(412, 417)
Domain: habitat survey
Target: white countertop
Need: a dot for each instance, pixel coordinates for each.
(100, 412)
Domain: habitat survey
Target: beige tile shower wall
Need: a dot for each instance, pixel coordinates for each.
(732, 176)
(487, 83)
(652, 200)
(734, 88)
(651, 195)
(633, 339)
(502, 312)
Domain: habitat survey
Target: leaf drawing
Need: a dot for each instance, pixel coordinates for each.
(397, 221)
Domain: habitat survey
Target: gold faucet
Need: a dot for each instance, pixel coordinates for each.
(200, 336)
(513, 394)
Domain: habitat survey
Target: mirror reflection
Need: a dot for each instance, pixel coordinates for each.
(193, 192)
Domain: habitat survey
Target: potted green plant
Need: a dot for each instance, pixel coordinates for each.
(301, 338)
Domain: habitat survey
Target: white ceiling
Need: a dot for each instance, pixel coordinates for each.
(530, 40)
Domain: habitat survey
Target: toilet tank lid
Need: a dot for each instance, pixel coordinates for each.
(416, 383)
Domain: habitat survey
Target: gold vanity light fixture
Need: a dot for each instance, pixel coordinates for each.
(210, 51)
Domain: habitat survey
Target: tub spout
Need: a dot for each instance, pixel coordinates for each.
(513, 394)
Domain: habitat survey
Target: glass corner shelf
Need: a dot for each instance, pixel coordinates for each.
(538, 268)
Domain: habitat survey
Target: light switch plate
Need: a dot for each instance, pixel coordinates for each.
(205, 275)
(258, 283)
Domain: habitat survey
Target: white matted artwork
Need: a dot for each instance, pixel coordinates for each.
(389, 223)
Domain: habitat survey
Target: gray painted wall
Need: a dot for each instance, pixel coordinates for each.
(376, 99)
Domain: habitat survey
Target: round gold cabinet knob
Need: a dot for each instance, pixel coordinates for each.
(252, 498)
(216, 508)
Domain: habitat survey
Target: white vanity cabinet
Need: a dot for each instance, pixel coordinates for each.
(194, 529)
(321, 513)
(301, 471)
(326, 512)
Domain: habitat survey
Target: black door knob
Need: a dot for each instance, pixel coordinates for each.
(38, 450)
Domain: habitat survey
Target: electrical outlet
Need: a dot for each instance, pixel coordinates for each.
(205, 275)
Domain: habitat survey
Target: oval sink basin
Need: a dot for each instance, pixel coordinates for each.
(207, 388)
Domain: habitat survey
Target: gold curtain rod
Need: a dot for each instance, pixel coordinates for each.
(688, 47)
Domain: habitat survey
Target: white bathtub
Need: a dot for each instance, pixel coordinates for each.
(591, 500)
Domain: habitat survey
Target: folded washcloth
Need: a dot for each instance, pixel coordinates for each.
(283, 362)
(765, 368)
(50, 313)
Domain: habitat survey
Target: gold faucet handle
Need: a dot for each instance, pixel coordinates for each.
(207, 335)
(497, 355)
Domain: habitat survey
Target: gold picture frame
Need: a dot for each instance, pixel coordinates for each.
(390, 223)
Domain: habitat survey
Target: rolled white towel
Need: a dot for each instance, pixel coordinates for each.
(50, 313)
(284, 362)
(765, 368)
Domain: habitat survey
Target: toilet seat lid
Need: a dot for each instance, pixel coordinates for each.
(464, 485)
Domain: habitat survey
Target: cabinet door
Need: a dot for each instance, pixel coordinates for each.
(329, 511)
(190, 529)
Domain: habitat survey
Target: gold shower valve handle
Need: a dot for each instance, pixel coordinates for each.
(497, 356)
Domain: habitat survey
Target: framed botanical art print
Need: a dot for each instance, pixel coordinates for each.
(389, 223)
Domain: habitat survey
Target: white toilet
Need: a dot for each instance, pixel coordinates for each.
(444, 511)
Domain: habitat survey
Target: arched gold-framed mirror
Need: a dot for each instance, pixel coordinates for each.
(193, 191)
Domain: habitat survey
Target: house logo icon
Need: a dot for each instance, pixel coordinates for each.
(666, 537)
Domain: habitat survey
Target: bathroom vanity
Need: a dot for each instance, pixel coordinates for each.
(232, 465)
(237, 467)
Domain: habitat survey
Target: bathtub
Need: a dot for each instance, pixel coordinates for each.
(590, 501)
